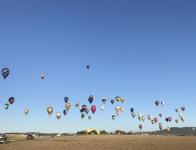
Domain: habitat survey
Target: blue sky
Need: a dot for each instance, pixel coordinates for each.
(142, 50)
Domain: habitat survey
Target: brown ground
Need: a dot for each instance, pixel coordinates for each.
(103, 142)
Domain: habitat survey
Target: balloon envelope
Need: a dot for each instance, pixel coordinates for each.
(49, 110)
(5, 72)
(11, 100)
(93, 109)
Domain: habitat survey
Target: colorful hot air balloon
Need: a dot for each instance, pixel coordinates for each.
(50, 110)
(68, 105)
(155, 120)
(117, 98)
(140, 126)
(58, 115)
(11, 100)
(90, 99)
(5, 72)
(93, 109)
(26, 111)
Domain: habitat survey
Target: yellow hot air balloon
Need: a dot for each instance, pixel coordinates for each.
(122, 100)
(50, 110)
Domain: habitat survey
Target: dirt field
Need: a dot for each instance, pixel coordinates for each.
(103, 142)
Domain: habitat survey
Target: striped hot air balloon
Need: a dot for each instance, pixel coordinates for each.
(5, 72)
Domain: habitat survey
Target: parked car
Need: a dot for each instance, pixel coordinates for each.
(3, 137)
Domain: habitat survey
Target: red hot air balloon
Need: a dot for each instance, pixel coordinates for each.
(93, 109)
(155, 120)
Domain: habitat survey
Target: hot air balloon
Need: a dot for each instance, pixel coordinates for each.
(65, 111)
(88, 67)
(157, 103)
(58, 115)
(132, 109)
(155, 120)
(87, 111)
(76, 104)
(160, 126)
(11, 100)
(67, 105)
(66, 99)
(176, 120)
(6, 106)
(112, 101)
(113, 117)
(50, 110)
(89, 117)
(149, 117)
(5, 72)
(162, 103)
(152, 121)
(90, 99)
(84, 107)
(160, 115)
(102, 107)
(82, 116)
(140, 126)
(121, 109)
(104, 100)
(42, 76)
(183, 108)
(166, 119)
(93, 109)
(176, 110)
(182, 118)
(26, 111)
(169, 119)
(122, 100)
(133, 114)
(117, 108)
(117, 98)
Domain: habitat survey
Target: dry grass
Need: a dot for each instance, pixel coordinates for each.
(107, 142)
